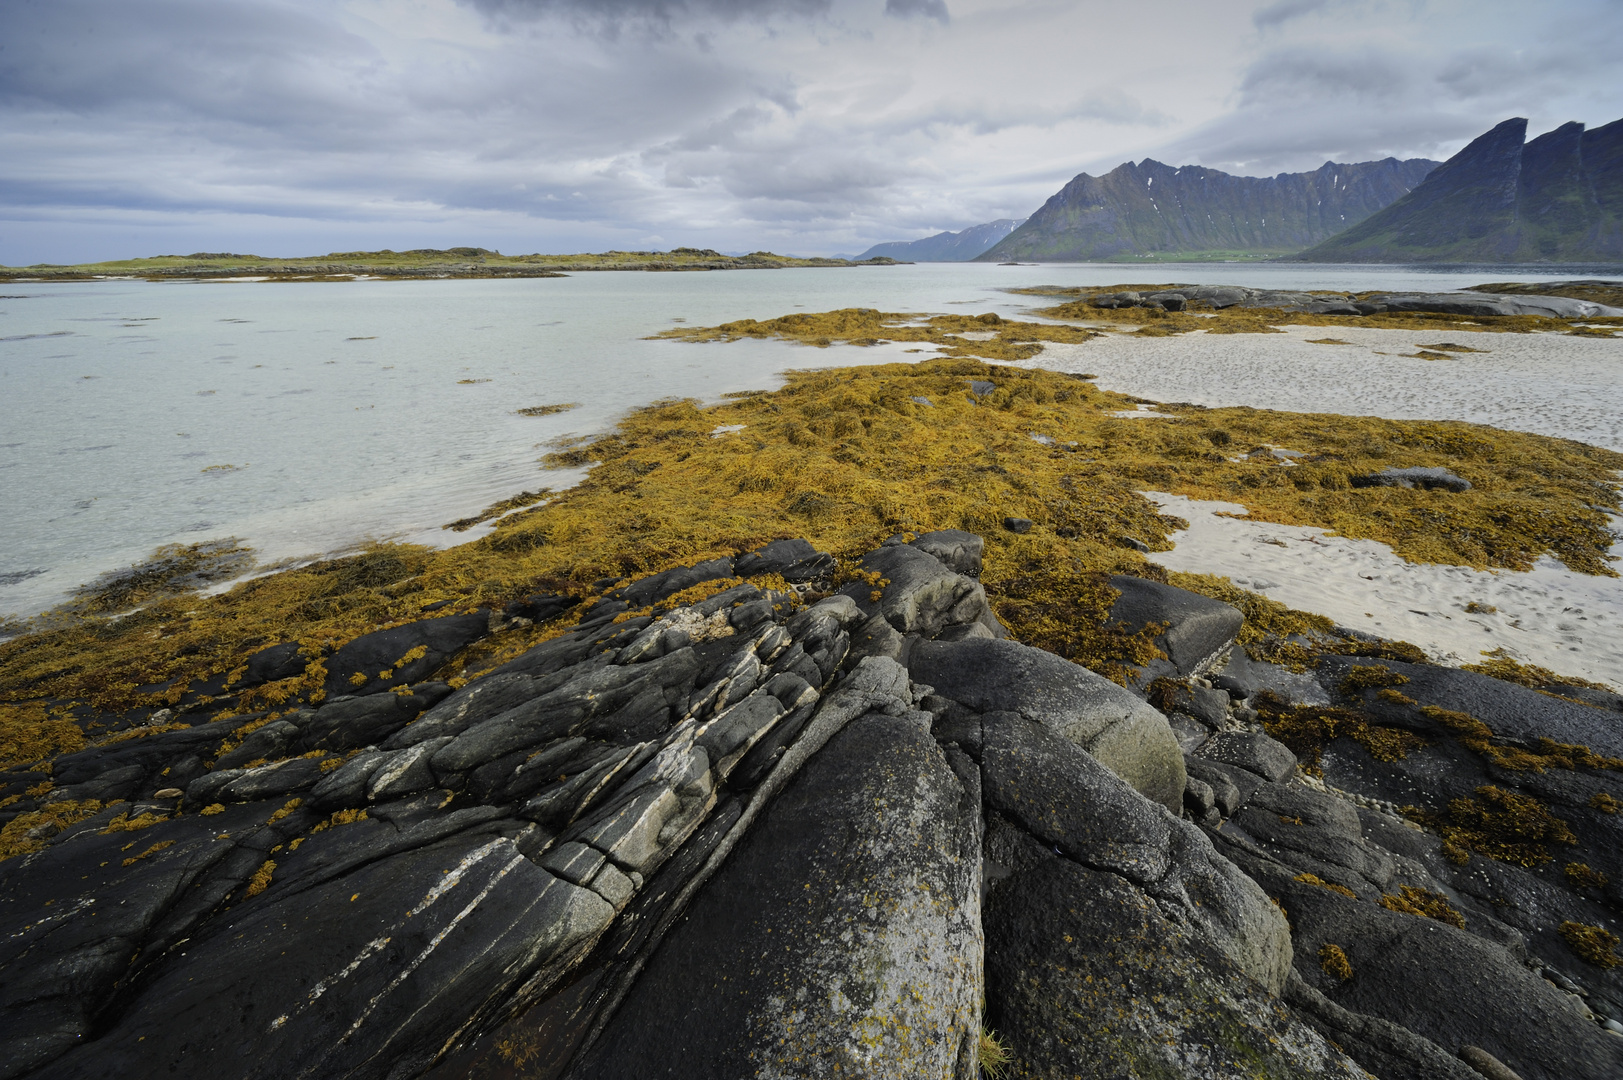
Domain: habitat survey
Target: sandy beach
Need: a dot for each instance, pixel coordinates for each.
(1549, 384)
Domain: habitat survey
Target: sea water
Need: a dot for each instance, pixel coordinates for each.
(307, 418)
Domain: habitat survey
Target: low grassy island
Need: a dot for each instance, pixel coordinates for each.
(461, 262)
(859, 700)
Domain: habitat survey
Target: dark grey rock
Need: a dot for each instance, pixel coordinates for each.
(405, 951)
(957, 550)
(277, 662)
(834, 934)
(367, 721)
(1118, 729)
(651, 590)
(600, 691)
(383, 650)
(272, 781)
(1316, 834)
(1390, 1051)
(1246, 678)
(72, 919)
(270, 741)
(922, 595)
(876, 637)
(479, 700)
(1433, 478)
(1200, 630)
(1512, 711)
(346, 785)
(1446, 985)
(795, 561)
(1057, 793)
(1227, 795)
(540, 607)
(1268, 758)
(1089, 976)
(1017, 524)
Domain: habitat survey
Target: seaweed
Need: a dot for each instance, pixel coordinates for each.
(1426, 903)
(1592, 944)
(1503, 825)
(847, 457)
(1334, 962)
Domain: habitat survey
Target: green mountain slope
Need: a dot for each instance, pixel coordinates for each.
(1154, 210)
(1557, 199)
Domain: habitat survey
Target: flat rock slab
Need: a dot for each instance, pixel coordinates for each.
(842, 936)
(1268, 758)
(1510, 710)
(1446, 985)
(368, 975)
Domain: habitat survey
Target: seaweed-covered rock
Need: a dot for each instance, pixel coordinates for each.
(385, 659)
(1199, 631)
(732, 836)
(1433, 478)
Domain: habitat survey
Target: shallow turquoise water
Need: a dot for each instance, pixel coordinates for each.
(342, 410)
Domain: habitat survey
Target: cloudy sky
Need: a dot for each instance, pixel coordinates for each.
(285, 127)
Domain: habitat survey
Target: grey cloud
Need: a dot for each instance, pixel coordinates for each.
(924, 9)
(658, 13)
(1277, 14)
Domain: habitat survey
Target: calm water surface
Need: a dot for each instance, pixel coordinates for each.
(306, 418)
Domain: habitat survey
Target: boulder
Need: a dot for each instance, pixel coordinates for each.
(1252, 751)
(1199, 631)
(958, 551)
(1088, 975)
(277, 662)
(917, 592)
(1117, 728)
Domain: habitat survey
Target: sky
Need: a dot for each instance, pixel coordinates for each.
(289, 127)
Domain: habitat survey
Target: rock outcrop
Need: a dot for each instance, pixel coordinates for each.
(771, 834)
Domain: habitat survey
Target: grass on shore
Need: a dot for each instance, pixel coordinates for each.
(847, 457)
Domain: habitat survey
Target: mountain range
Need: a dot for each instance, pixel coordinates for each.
(946, 246)
(1556, 199)
(1157, 210)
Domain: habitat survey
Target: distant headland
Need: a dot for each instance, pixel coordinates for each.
(457, 262)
